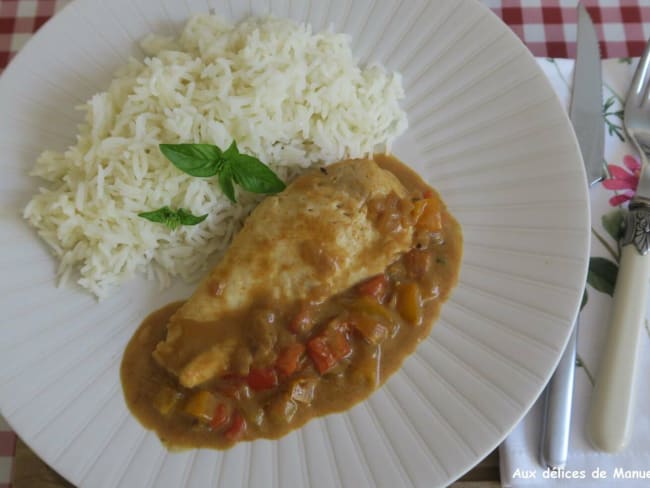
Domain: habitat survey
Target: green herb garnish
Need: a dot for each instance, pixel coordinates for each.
(172, 219)
(205, 160)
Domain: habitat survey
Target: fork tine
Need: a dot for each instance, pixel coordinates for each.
(639, 86)
(645, 93)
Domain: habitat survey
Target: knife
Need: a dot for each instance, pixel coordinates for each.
(587, 119)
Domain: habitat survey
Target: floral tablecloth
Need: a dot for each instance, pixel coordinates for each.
(520, 452)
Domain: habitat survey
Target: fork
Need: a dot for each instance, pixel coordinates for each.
(610, 419)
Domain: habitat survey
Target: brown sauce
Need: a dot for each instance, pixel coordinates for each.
(312, 360)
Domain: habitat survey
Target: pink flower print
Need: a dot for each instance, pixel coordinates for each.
(623, 179)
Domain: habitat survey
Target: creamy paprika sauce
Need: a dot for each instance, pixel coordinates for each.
(290, 362)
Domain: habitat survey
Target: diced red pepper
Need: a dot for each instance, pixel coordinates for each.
(417, 263)
(339, 344)
(427, 194)
(377, 286)
(221, 416)
(262, 378)
(320, 354)
(236, 429)
(327, 349)
(289, 359)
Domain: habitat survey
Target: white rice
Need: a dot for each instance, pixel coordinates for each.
(289, 97)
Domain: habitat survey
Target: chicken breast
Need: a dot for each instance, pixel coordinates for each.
(329, 229)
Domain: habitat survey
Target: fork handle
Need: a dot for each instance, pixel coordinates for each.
(612, 402)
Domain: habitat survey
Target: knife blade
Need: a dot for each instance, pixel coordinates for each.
(587, 119)
(586, 110)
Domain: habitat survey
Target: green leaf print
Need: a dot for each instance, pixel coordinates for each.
(606, 245)
(613, 223)
(602, 275)
(614, 128)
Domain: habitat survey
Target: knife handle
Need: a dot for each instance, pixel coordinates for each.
(557, 408)
(611, 407)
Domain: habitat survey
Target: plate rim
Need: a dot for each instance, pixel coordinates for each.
(44, 32)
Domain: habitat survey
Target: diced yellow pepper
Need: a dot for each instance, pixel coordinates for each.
(409, 302)
(427, 214)
(166, 400)
(370, 328)
(370, 306)
(201, 405)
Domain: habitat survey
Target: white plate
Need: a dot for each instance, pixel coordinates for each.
(485, 129)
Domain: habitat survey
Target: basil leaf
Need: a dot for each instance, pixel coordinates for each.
(187, 218)
(171, 219)
(200, 160)
(205, 160)
(253, 175)
(164, 215)
(232, 152)
(249, 172)
(225, 182)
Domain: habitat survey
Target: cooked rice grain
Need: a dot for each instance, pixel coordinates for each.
(292, 98)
